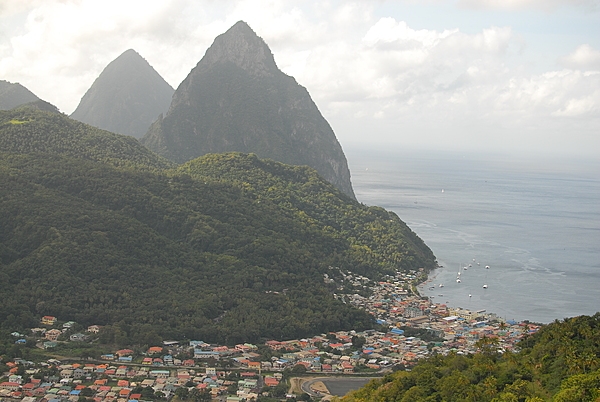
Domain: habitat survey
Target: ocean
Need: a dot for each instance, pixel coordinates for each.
(535, 223)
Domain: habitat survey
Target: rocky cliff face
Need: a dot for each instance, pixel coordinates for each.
(126, 98)
(12, 95)
(236, 99)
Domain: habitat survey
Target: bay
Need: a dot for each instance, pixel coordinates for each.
(534, 222)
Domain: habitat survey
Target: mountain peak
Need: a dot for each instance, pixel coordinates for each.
(241, 46)
(237, 100)
(126, 97)
(14, 94)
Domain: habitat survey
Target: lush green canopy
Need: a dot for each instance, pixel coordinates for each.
(229, 248)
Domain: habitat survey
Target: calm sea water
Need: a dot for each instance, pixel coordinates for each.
(535, 223)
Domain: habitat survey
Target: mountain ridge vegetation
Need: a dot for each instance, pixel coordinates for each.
(227, 247)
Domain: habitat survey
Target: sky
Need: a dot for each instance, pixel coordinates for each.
(518, 77)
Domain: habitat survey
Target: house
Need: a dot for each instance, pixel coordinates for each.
(160, 373)
(347, 367)
(68, 324)
(93, 329)
(77, 337)
(38, 331)
(201, 354)
(53, 334)
(124, 352)
(48, 320)
(154, 350)
(242, 348)
(271, 381)
(12, 386)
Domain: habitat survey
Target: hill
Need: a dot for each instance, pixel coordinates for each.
(561, 363)
(12, 95)
(38, 127)
(236, 99)
(226, 248)
(126, 97)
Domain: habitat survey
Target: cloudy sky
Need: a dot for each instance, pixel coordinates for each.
(515, 76)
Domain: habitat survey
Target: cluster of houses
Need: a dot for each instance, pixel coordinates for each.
(391, 301)
(120, 383)
(50, 335)
(394, 305)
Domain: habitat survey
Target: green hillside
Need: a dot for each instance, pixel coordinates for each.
(226, 248)
(560, 363)
(28, 129)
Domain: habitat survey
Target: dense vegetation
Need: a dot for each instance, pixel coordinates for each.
(226, 248)
(561, 363)
(34, 128)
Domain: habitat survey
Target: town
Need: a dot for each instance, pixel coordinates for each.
(409, 327)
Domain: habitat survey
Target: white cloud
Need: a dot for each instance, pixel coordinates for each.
(513, 5)
(584, 57)
(372, 75)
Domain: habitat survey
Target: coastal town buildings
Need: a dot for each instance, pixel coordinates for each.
(392, 301)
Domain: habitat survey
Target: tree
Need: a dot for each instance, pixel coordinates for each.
(182, 393)
(358, 342)
(299, 369)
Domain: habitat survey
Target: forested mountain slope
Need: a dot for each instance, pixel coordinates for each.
(39, 127)
(226, 248)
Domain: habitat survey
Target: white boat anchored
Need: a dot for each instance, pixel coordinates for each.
(485, 286)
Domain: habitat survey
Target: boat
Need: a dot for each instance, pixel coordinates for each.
(458, 281)
(487, 267)
(470, 296)
(485, 286)
(441, 285)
